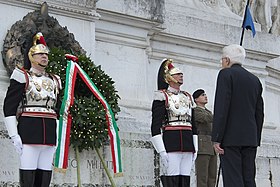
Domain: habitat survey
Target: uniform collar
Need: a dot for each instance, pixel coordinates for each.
(201, 107)
(173, 90)
(236, 65)
(36, 72)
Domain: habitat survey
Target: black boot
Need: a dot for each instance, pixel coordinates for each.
(42, 178)
(26, 177)
(170, 181)
(185, 181)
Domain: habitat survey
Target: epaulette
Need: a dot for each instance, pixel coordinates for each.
(57, 79)
(19, 75)
(159, 95)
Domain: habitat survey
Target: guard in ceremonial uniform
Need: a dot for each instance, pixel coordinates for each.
(206, 162)
(174, 134)
(30, 110)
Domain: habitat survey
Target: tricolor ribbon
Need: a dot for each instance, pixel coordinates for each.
(64, 126)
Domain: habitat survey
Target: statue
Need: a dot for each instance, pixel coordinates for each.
(275, 29)
(262, 12)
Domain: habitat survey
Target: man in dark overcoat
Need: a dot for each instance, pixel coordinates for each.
(238, 119)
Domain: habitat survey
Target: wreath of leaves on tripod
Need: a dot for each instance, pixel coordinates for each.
(89, 127)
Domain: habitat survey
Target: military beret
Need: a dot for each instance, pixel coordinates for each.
(198, 93)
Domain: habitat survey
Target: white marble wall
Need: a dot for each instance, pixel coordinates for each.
(193, 35)
(129, 38)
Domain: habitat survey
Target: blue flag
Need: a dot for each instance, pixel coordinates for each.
(248, 21)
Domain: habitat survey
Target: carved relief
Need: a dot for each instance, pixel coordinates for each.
(275, 29)
(209, 2)
(218, 7)
(237, 6)
(264, 12)
(19, 38)
(84, 9)
(82, 3)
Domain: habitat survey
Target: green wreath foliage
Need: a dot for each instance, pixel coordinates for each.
(89, 127)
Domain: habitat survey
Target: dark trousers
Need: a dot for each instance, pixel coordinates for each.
(238, 166)
(206, 170)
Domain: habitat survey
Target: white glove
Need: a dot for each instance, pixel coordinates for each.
(17, 143)
(194, 157)
(11, 125)
(195, 143)
(164, 158)
(158, 143)
(57, 133)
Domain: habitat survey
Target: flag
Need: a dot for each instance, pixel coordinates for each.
(248, 21)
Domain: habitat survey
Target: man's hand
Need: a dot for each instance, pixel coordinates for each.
(218, 149)
(17, 143)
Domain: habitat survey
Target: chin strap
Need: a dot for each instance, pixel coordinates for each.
(39, 64)
(33, 61)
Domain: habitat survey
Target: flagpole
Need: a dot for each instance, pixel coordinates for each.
(243, 29)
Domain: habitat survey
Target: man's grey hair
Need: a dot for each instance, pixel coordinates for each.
(235, 53)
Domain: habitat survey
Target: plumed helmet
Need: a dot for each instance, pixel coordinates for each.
(165, 73)
(235, 53)
(39, 46)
